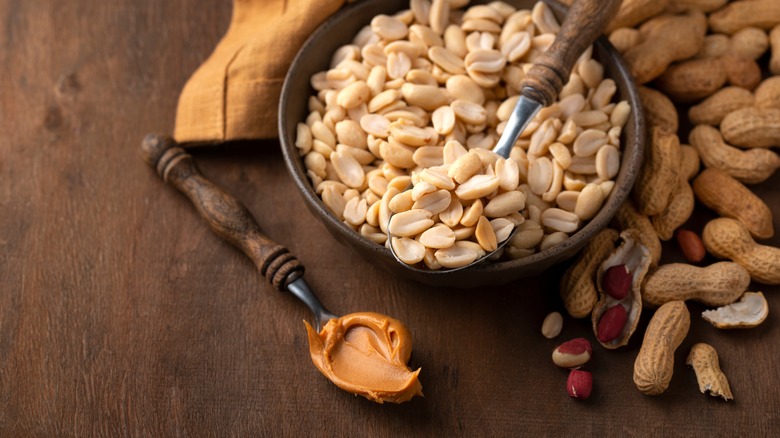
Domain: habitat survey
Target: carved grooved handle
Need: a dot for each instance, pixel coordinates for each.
(584, 22)
(225, 214)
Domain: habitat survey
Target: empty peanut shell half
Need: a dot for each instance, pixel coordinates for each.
(750, 311)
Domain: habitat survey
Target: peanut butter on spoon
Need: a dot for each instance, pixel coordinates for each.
(366, 354)
(363, 353)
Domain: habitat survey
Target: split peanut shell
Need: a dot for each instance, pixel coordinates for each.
(637, 258)
(704, 360)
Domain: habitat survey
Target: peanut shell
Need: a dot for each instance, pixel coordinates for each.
(654, 364)
(729, 198)
(728, 238)
(637, 258)
(750, 311)
(704, 360)
(659, 173)
(578, 287)
(713, 109)
(628, 217)
(752, 127)
(715, 285)
(678, 209)
(750, 166)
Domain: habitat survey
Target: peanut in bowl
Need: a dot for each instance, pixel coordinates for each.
(421, 112)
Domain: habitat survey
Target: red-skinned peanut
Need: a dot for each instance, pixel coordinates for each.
(572, 354)
(617, 281)
(691, 246)
(579, 384)
(612, 323)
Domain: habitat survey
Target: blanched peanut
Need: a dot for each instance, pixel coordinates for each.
(589, 202)
(419, 98)
(477, 186)
(504, 204)
(457, 255)
(589, 142)
(560, 220)
(410, 223)
(408, 250)
(438, 237)
(435, 202)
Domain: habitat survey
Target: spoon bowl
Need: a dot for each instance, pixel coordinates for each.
(523, 113)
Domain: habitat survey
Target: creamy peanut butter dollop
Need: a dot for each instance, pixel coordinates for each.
(366, 354)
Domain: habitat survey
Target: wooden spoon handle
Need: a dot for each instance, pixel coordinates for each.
(584, 22)
(226, 215)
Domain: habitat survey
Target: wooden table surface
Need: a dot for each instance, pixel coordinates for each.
(122, 314)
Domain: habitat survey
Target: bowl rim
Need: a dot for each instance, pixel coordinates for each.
(620, 193)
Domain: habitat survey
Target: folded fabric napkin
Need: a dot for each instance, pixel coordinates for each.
(234, 95)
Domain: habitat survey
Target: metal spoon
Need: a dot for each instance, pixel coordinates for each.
(231, 220)
(584, 22)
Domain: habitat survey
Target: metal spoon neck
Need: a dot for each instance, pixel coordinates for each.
(522, 114)
(303, 292)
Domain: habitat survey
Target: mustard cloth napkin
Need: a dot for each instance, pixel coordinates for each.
(234, 95)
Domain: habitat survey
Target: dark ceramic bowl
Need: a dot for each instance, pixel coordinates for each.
(315, 56)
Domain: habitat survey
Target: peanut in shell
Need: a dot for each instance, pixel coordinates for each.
(578, 284)
(637, 258)
(715, 285)
(729, 198)
(728, 238)
(659, 172)
(654, 364)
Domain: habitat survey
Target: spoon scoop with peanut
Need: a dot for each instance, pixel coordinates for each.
(584, 23)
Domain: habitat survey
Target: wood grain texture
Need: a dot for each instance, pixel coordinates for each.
(122, 314)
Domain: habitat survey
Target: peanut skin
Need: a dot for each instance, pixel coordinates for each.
(728, 238)
(665, 39)
(654, 365)
(729, 198)
(715, 285)
(750, 166)
(578, 286)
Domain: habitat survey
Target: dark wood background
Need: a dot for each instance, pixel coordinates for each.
(121, 314)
